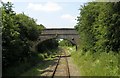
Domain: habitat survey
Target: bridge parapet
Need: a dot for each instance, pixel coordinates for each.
(60, 31)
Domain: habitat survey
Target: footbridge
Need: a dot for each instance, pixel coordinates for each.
(58, 33)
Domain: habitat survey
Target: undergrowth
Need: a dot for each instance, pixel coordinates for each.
(96, 64)
(31, 62)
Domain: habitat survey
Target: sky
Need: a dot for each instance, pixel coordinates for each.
(50, 13)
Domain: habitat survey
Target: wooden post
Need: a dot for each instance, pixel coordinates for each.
(76, 47)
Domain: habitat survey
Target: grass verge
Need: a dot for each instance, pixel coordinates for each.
(96, 64)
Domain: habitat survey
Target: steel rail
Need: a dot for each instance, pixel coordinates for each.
(68, 70)
(56, 67)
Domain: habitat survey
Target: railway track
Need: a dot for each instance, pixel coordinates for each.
(62, 56)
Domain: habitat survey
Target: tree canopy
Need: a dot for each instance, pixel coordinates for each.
(99, 26)
(18, 31)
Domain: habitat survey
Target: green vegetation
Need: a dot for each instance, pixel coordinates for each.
(19, 31)
(50, 44)
(98, 25)
(65, 42)
(99, 52)
(96, 64)
(99, 29)
(40, 68)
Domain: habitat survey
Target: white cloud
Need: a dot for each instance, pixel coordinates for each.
(4, 1)
(83, 1)
(46, 0)
(48, 7)
(7, 1)
(68, 17)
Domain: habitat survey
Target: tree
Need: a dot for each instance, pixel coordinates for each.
(65, 42)
(10, 34)
(18, 31)
(98, 25)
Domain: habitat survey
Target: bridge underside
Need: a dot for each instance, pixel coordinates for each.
(73, 38)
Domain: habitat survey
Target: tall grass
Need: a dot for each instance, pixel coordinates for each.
(97, 64)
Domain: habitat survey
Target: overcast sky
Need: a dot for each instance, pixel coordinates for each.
(50, 13)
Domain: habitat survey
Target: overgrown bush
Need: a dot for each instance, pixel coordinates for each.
(99, 29)
(99, 26)
(18, 31)
(97, 64)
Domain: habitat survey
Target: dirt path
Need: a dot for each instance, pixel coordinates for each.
(49, 70)
(74, 71)
(73, 68)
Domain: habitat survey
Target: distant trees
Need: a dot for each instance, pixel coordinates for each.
(18, 30)
(99, 26)
(65, 43)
